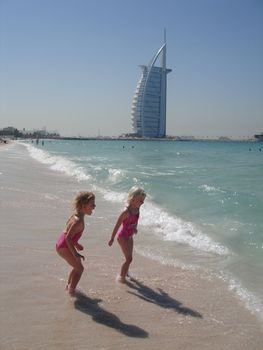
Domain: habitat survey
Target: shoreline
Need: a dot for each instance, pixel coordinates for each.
(163, 139)
(164, 307)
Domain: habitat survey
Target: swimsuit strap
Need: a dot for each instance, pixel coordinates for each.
(131, 213)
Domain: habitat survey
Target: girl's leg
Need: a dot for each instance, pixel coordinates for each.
(78, 268)
(76, 275)
(70, 277)
(127, 248)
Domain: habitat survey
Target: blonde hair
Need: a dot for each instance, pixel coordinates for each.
(134, 192)
(82, 198)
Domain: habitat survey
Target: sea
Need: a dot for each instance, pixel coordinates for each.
(204, 205)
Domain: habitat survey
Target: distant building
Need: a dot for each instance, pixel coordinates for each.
(9, 130)
(12, 132)
(149, 102)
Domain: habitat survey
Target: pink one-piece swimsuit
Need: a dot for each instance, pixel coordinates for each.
(62, 243)
(129, 226)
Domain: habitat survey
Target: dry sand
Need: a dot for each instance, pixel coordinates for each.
(163, 308)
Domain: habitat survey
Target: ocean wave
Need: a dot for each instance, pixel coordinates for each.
(115, 175)
(150, 254)
(171, 228)
(207, 188)
(251, 301)
(115, 197)
(154, 173)
(58, 163)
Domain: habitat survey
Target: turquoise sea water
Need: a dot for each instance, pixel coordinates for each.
(204, 207)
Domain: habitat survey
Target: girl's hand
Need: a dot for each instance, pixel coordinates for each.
(79, 246)
(111, 242)
(134, 227)
(77, 255)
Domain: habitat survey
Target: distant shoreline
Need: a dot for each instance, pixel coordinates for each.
(6, 139)
(108, 138)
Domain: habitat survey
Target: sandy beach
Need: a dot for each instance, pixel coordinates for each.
(161, 307)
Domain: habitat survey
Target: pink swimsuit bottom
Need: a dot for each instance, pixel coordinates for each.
(129, 226)
(62, 243)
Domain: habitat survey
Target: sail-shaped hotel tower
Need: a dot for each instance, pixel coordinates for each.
(149, 102)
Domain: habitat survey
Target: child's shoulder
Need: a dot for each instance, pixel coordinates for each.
(77, 220)
(74, 220)
(125, 212)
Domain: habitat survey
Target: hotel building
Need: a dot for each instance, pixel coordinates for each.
(149, 102)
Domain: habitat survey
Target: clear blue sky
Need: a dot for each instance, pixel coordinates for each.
(72, 65)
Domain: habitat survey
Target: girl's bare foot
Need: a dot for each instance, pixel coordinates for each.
(121, 279)
(71, 291)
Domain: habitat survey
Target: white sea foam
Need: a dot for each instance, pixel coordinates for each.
(251, 301)
(172, 228)
(114, 197)
(153, 173)
(115, 175)
(148, 253)
(207, 188)
(58, 163)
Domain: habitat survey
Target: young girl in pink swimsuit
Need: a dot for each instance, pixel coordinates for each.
(126, 227)
(67, 245)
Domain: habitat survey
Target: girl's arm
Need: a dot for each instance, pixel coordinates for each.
(75, 227)
(117, 226)
(79, 246)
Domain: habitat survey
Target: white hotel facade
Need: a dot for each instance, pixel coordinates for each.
(149, 102)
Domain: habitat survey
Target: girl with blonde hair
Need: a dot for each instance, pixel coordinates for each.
(126, 227)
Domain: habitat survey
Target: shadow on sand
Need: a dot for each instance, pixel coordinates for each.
(91, 307)
(160, 298)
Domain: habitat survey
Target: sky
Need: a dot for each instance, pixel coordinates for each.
(73, 65)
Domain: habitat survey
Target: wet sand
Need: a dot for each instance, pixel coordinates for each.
(162, 307)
